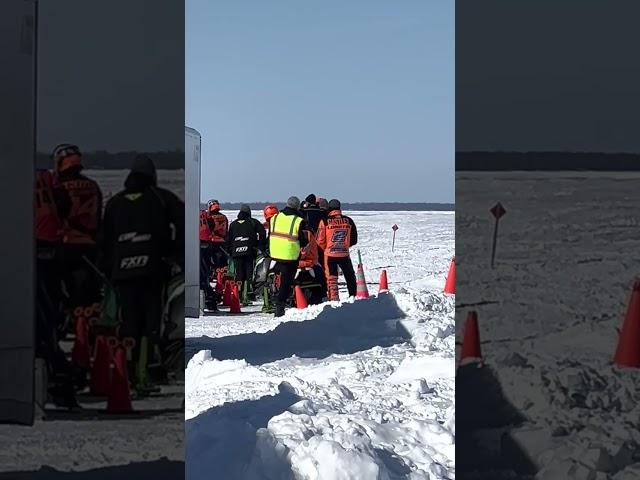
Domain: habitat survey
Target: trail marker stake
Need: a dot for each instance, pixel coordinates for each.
(393, 243)
(498, 212)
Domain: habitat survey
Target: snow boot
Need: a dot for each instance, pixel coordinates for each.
(267, 304)
(244, 300)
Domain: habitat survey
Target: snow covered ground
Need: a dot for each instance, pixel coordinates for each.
(358, 390)
(548, 315)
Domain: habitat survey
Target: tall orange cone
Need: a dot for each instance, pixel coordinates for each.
(234, 302)
(219, 282)
(628, 350)
(384, 286)
(119, 400)
(101, 369)
(226, 297)
(81, 354)
(301, 300)
(450, 284)
(361, 283)
(471, 340)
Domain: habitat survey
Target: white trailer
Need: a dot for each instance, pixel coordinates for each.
(192, 144)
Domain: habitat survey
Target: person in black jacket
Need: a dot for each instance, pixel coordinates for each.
(245, 237)
(312, 213)
(142, 245)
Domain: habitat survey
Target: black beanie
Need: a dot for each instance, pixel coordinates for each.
(334, 204)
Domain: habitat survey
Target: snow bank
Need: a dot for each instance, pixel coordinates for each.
(351, 327)
(359, 389)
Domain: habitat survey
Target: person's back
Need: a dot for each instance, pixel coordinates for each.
(83, 219)
(218, 223)
(287, 236)
(143, 236)
(242, 237)
(312, 213)
(245, 236)
(141, 230)
(82, 223)
(336, 235)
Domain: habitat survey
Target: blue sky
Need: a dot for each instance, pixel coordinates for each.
(345, 99)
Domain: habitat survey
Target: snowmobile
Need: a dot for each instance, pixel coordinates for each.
(171, 345)
(266, 282)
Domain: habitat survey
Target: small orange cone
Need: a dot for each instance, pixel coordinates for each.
(101, 369)
(301, 300)
(234, 302)
(226, 296)
(119, 400)
(450, 284)
(383, 282)
(628, 350)
(81, 354)
(471, 340)
(361, 283)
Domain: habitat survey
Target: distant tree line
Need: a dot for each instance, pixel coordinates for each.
(364, 206)
(164, 160)
(499, 161)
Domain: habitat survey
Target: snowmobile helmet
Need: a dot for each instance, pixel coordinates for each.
(144, 166)
(311, 199)
(323, 204)
(269, 211)
(66, 156)
(245, 209)
(213, 205)
(293, 202)
(334, 204)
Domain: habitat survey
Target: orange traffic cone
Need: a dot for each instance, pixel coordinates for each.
(234, 302)
(81, 354)
(471, 340)
(628, 350)
(361, 283)
(450, 284)
(301, 300)
(226, 296)
(220, 282)
(119, 400)
(383, 282)
(101, 369)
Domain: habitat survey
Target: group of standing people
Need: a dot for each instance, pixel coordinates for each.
(311, 235)
(133, 245)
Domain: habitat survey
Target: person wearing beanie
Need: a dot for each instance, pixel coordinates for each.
(286, 239)
(246, 236)
(81, 228)
(311, 212)
(142, 239)
(213, 235)
(336, 235)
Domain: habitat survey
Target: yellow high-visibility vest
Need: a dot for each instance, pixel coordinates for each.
(283, 237)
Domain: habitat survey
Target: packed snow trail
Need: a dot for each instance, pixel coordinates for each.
(358, 390)
(550, 310)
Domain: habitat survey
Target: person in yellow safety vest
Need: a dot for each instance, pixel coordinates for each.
(286, 239)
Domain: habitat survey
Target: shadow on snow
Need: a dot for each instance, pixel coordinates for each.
(350, 328)
(225, 441)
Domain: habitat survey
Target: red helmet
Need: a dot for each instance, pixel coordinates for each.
(269, 211)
